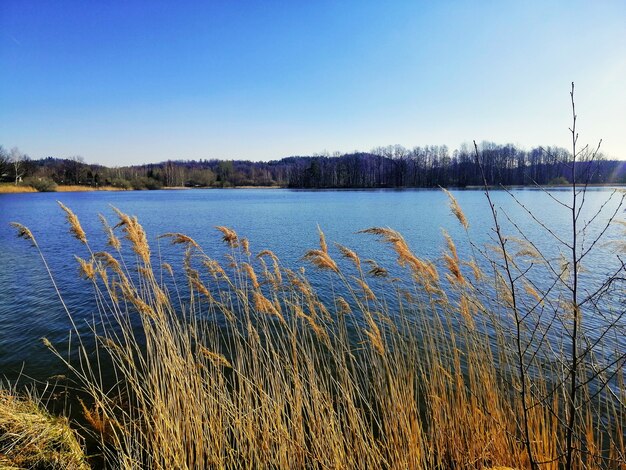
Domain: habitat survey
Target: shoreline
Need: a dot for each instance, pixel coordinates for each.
(10, 188)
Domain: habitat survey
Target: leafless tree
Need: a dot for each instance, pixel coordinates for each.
(584, 372)
(17, 159)
(4, 163)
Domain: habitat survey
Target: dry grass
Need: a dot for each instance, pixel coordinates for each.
(78, 188)
(243, 365)
(9, 188)
(31, 438)
(6, 188)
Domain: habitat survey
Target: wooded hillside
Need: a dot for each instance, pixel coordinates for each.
(382, 167)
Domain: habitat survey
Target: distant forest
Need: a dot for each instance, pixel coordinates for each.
(383, 167)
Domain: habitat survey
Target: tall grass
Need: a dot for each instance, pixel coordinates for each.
(242, 364)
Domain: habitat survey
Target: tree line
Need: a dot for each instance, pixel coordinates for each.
(383, 167)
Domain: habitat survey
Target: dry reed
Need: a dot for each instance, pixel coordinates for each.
(259, 372)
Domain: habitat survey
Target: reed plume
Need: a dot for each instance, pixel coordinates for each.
(455, 208)
(263, 305)
(349, 254)
(112, 240)
(321, 259)
(229, 236)
(24, 232)
(135, 234)
(214, 358)
(180, 239)
(251, 275)
(452, 261)
(86, 269)
(75, 228)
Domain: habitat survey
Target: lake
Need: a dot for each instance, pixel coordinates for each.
(284, 221)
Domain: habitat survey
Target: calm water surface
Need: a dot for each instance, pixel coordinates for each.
(284, 221)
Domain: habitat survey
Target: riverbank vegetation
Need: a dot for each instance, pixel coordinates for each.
(28, 186)
(462, 363)
(382, 167)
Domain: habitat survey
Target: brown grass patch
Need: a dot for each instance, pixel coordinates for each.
(78, 188)
(9, 188)
(32, 438)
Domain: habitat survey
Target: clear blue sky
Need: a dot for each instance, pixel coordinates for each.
(122, 82)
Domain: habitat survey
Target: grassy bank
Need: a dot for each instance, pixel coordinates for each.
(78, 188)
(32, 438)
(7, 188)
(425, 364)
(24, 188)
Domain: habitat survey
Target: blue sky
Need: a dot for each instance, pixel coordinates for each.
(122, 82)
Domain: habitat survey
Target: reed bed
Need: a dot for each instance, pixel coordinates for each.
(241, 364)
(10, 188)
(65, 188)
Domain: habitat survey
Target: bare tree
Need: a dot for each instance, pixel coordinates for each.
(549, 301)
(17, 159)
(4, 163)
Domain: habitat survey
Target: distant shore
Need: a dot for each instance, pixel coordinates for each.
(10, 188)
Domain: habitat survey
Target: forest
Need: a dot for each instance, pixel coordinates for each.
(392, 166)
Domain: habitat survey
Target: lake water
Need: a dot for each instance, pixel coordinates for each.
(284, 221)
